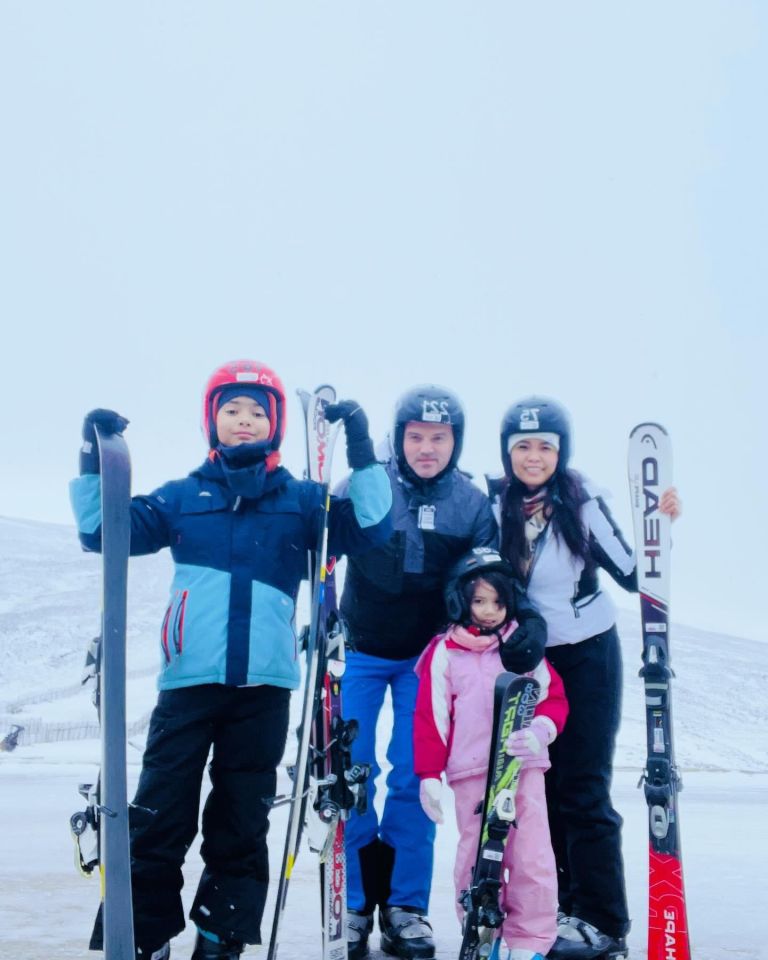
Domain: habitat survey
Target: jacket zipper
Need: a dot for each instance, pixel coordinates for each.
(164, 633)
(577, 606)
(538, 545)
(178, 633)
(175, 630)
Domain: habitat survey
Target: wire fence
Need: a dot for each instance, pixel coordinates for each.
(36, 730)
(60, 693)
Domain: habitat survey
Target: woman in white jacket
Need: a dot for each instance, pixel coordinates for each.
(557, 532)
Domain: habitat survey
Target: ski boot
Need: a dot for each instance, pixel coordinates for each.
(406, 933)
(579, 940)
(207, 948)
(359, 926)
(161, 953)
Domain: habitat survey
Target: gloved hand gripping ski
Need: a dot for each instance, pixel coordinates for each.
(359, 444)
(109, 422)
(531, 742)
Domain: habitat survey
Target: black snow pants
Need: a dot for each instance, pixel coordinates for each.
(247, 728)
(586, 830)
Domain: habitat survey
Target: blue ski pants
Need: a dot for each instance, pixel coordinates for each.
(389, 861)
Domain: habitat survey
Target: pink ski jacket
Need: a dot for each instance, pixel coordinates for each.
(454, 707)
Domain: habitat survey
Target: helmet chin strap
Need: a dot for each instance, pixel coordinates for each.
(479, 631)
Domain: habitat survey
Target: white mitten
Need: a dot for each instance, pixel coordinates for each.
(430, 791)
(531, 742)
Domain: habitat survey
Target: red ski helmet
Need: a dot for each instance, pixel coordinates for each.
(249, 373)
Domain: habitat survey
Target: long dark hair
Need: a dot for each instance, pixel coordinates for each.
(566, 494)
(503, 586)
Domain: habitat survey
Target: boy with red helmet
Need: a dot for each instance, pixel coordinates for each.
(238, 528)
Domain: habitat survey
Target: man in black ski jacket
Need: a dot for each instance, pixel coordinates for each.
(393, 605)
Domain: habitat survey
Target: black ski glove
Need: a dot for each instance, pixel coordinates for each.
(108, 421)
(359, 444)
(525, 648)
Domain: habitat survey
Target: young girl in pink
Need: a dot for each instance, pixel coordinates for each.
(452, 735)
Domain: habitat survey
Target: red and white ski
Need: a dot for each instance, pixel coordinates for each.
(327, 786)
(650, 473)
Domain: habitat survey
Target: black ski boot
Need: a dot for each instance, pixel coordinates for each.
(207, 949)
(406, 933)
(359, 926)
(579, 940)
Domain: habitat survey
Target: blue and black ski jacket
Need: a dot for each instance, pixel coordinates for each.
(393, 595)
(238, 564)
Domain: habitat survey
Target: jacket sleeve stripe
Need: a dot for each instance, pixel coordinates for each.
(438, 670)
(609, 547)
(431, 729)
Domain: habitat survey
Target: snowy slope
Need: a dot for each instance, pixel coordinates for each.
(49, 603)
(49, 608)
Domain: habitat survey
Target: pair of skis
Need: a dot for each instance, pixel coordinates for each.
(327, 786)
(514, 702)
(650, 474)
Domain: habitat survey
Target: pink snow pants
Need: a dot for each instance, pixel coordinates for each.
(529, 895)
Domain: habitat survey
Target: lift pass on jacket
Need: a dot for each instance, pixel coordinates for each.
(427, 517)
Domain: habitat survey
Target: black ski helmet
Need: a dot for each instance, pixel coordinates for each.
(429, 403)
(536, 415)
(477, 561)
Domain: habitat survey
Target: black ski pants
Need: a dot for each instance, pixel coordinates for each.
(586, 830)
(247, 728)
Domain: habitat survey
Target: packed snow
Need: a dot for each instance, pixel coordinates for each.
(49, 609)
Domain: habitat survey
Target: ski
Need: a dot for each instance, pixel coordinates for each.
(308, 789)
(339, 785)
(101, 831)
(514, 701)
(330, 735)
(650, 473)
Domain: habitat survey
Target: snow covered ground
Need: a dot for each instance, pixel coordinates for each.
(49, 602)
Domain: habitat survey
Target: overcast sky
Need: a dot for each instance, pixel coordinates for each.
(566, 198)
